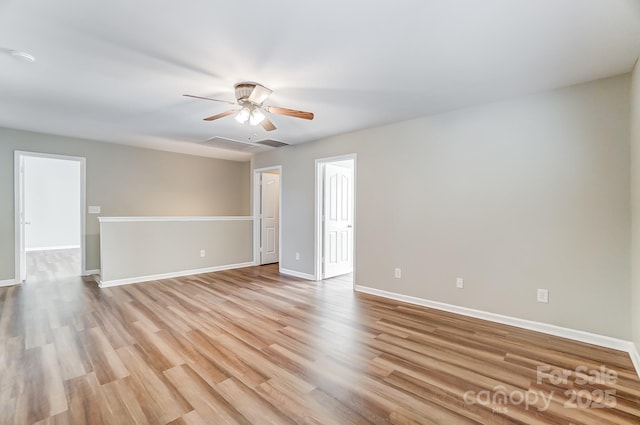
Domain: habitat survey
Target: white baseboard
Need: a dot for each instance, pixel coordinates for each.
(138, 279)
(582, 336)
(297, 274)
(91, 272)
(8, 282)
(52, 248)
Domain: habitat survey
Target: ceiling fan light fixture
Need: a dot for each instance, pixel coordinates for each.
(243, 115)
(250, 109)
(256, 117)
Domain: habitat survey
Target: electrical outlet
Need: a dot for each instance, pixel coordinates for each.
(202, 253)
(459, 282)
(543, 295)
(398, 273)
(297, 255)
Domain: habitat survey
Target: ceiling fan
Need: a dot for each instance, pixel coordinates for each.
(250, 98)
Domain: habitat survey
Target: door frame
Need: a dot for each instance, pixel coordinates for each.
(18, 199)
(319, 198)
(256, 214)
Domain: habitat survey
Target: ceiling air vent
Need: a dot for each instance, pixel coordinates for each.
(272, 143)
(234, 145)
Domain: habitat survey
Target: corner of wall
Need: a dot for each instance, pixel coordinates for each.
(635, 204)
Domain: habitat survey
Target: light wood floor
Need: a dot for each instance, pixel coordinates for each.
(53, 264)
(252, 347)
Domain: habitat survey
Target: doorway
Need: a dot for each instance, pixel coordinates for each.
(49, 191)
(335, 217)
(267, 189)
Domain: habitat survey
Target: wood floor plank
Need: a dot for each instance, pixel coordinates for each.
(191, 418)
(300, 407)
(159, 400)
(256, 409)
(37, 330)
(161, 354)
(122, 404)
(338, 409)
(205, 399)
(85, 401)
(251, 346)
(11, 362)
(263, 364)
(111, 322)
(31, 397)
(209, 371)
(53, 383)
(226, 360)
(106, 363)
(70, 361)
(9, 326)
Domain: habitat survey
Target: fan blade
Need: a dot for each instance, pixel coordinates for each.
(221, 115)
(290, 112)
(268, 125)
(259, 94)
(208, 98)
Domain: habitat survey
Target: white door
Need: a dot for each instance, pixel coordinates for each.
(270, 218)
(338, 220)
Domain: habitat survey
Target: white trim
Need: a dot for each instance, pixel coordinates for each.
(83, 214)
(635, 357)
(51, 248)
(256, 213)
(9, 282)
(91, 272)
(317, 250)
(582, 336)
(317, 208)
(17, 201)
(294, 273)
(118, 282)
(177, 218)
(83, 217)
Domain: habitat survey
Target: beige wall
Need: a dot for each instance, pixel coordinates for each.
(512, 196)
(135, 249)
(126, 181)
(635, 204)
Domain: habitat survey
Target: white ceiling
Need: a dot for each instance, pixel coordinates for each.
(115, 70)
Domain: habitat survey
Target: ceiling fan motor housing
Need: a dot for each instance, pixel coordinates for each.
(243, 91)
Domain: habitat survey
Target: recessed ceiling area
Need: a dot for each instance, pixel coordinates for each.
(116, 71)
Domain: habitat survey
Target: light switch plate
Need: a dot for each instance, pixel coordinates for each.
(92, 209)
